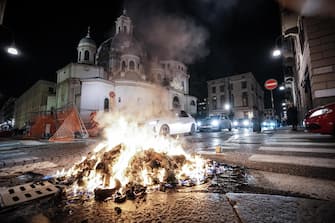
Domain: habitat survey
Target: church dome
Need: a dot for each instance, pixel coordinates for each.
(87, 40)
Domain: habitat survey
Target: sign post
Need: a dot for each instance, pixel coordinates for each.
(270, 85)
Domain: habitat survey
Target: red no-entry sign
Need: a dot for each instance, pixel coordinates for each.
(271, 84)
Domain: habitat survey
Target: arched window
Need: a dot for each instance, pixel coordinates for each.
(175, 102)
(123, 66)
(131, 65)
(87, 55)
(125, 29)
(119, 29)
(79, 55)
(106, 104)
(193, 103)
(244, 99)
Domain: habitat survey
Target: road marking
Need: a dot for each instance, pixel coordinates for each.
(294, 149)
(303, 161)
(301, 143)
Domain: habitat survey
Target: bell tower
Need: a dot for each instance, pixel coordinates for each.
(86, 49)
(124, 24)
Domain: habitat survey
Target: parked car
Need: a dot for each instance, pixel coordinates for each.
(321, 119)
(214, 123)
(269, 124)
(242, 123)
(175, 122)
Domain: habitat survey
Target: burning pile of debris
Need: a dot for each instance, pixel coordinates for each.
(132, 162)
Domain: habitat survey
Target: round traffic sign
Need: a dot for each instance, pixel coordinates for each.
(271, 84)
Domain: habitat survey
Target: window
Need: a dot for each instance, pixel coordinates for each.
(131, 65)
(123, 66)
(87, 55)
(222, 99)
(192, 103)
(244, 99)
(183, 114)
(125, 29)
(106, 104)
(80, 55)
(175, 102)
(231, 86)
(243, 84)
(221, 88)
(214, 102)
(213, 90)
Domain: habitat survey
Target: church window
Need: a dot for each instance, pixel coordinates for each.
(87, 55)
(123, 66)
(193, 103)
(175, 102)
(106, 104)
(132, 65)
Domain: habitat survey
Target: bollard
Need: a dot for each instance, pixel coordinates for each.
(218, 149)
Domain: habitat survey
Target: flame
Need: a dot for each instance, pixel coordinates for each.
(132, 153)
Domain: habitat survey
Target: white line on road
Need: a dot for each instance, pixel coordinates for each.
(304, 161)
(294, 149)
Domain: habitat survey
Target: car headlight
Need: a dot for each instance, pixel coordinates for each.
(215, 122)
(246, 122)
(272, 124)
(264, 123)
(199, 123)
(235, 123)
(321, 112)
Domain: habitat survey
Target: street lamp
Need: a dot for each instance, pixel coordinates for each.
(276, 51)
(281, 88)
(227, 106)
(12, 49)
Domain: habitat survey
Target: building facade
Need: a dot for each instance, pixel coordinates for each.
(37, 99)
(309, 59)
(119, 75)
(239, 96)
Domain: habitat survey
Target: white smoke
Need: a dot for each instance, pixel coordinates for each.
(168, 36)
(324, 8)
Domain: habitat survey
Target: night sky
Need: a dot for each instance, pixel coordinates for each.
(239, 36)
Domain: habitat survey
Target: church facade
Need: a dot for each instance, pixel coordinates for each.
(121, 76)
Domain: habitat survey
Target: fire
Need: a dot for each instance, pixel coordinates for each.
(133, 155)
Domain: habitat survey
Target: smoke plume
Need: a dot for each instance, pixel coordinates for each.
(167, 35)
(311, 7)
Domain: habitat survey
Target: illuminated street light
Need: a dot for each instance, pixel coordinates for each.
(283, 104)
(281, 88)
(12, 50)
(276, 52)
(227, 106)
